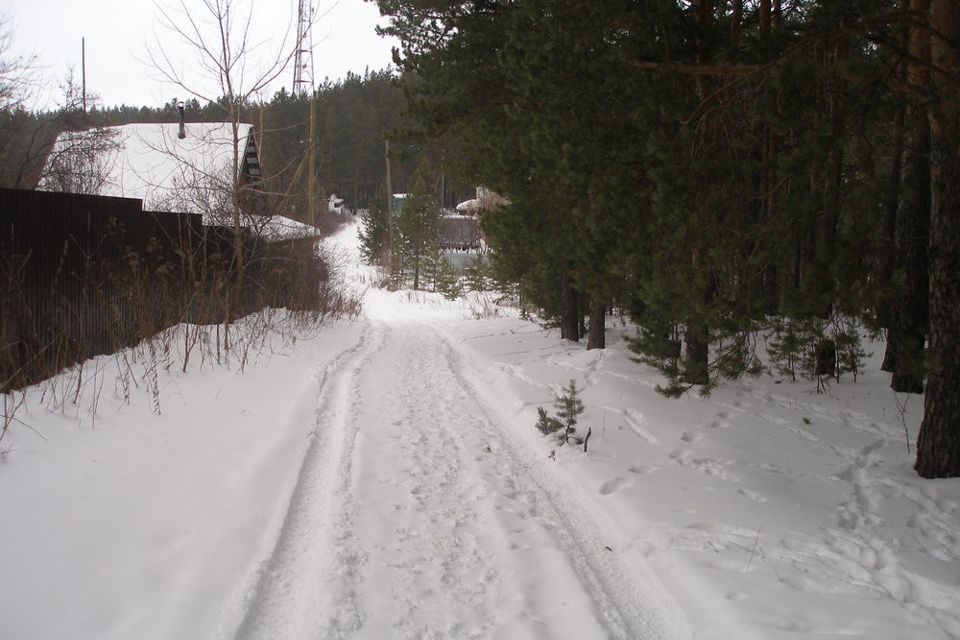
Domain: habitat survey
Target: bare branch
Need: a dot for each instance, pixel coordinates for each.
(17, 73)
(223, 47)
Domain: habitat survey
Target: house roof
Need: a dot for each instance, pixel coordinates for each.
(150, 162)
(469, 206)
(192, 175)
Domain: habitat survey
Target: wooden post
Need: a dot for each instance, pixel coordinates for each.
(386, 142)
(312, 162)
(83, 66)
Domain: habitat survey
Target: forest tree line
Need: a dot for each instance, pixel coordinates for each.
(724, 171)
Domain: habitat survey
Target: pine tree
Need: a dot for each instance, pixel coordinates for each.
(418, 227)
(786, 346)
(478, 273)
(446, 280)
(375, 231)
(717, 168)
(547, 424)
(569, 407)
(938, 444)
(850, 352)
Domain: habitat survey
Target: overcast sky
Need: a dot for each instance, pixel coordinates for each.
(119, 32)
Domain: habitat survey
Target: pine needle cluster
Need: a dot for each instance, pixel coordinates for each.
(568, 406)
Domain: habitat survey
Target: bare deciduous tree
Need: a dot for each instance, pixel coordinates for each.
(82, 156)
(17, 124)
(219, 33)
(16, 71)
(80, 161)
(230, 70)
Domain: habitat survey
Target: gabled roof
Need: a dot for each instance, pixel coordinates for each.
(151, 162)
(193, 174)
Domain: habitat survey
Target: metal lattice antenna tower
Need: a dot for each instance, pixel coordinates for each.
(303, 84)
(303, 57)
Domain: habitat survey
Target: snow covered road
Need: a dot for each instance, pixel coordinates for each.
(382, 478)
(416, 516)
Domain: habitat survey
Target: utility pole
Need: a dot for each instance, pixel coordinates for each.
(303, 80)
(83, 67)
(386, 143)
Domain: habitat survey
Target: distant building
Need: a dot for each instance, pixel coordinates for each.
(459, 232)
(336, 205)
(194, 173)
(398, 201)
(151, 162)
(485, 200)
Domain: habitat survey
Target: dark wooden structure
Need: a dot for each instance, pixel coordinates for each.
(83, 275)
(459, 232)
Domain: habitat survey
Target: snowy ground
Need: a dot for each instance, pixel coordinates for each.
(384, 480)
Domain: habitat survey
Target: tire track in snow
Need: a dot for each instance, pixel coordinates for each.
(417, 516)
(290, 586)
(440, 573)
(626, 595)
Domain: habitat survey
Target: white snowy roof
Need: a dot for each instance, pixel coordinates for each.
(150, 162)
(283, 228)
(469, 206)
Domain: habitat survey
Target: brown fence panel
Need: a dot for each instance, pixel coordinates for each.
(84, 275)
(71, 266)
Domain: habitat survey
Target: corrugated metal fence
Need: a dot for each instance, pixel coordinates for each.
(83, 275)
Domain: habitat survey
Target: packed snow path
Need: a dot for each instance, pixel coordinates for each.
(414, 517)
(383, 478)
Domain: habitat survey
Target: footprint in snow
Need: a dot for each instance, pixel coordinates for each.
(691, 436)
(642, 469)
(637, 424)
(720, 420)
(617, 484)
(753, 495)
(803, 433)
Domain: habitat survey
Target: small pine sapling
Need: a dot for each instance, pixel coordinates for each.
(547, 424)
(850, 351)
(786, 347)
(569, 407)
(478, 273)
(445, 279)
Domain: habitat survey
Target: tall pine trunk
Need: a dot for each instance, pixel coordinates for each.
(828, 227)
(596, 335)
(938, 445)
(736, 23)
(908, 313)
(416, 269)
(569, 307)
(696, 355)
(885, 249)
